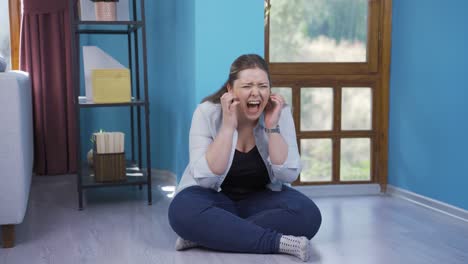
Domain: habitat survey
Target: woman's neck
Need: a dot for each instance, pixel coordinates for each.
(246, 138)
(246, 124)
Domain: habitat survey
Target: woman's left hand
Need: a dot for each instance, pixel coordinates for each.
(273, 110)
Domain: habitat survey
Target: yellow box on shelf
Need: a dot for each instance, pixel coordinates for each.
(111, 85)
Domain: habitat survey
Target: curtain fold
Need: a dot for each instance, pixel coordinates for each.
(45, 52)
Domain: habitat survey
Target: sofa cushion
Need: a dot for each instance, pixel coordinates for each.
(16, 145)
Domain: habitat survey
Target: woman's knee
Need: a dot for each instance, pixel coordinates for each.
(182, 210)
(177, 214)
(186, 209)
(314, 218)
(309, 216)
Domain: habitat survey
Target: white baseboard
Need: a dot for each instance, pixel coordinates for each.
(427, 202)
(339, 190)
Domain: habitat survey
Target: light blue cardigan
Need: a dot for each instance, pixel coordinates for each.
(206, 123)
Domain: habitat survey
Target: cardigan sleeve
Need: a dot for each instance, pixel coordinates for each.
(290, 169)
(199, 140)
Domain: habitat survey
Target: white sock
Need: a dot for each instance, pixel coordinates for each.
(182, 244)
(296, 246)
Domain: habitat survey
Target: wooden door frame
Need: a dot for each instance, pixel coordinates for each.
(14, 10)
(386, 46)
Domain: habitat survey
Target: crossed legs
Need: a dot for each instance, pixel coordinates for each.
(252, 225)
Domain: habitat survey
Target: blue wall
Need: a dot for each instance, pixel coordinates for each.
(428, 99)
(191, 45)
(183, 102)
(223, 31)
(161, 25)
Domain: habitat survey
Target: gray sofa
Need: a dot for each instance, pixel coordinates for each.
(16, 151)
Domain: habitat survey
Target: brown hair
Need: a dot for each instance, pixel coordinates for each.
(243, 62)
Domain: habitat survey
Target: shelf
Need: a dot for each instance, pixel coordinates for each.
(107, 27)
(132, 170)
(84, 103)
(134, 32)
(91, 22)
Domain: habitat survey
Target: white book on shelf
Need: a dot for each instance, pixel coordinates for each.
(96, 58)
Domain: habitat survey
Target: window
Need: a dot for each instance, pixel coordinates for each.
(5, 33)
(330, 59)
(10, 12)
(318, 31)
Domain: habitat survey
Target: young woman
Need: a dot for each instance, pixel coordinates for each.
(233, 195)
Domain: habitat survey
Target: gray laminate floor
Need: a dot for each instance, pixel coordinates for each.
(117, 226)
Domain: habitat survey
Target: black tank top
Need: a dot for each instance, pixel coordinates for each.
(247, 174)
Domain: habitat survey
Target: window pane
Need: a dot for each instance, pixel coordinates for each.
(286, 92)
(355, 159)
(5, 33)
(356, 109)
(316, 109)
(316, 155)
(318, 30)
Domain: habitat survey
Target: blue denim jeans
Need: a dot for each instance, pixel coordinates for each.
(251, 225)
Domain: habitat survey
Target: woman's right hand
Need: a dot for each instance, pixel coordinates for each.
(229, 105)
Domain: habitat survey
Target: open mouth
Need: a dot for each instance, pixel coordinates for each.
(253, 106)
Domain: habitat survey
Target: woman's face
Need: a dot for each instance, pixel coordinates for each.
(252, 88)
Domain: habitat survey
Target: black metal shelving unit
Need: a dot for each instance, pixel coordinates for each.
(139, 81)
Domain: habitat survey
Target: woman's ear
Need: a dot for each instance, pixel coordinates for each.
(229, 88)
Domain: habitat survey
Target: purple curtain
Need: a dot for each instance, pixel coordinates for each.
(45, 52)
